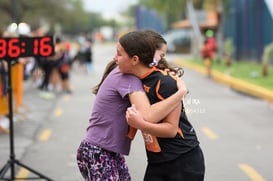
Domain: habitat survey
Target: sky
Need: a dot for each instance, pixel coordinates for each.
(108, 8)
(270, 6)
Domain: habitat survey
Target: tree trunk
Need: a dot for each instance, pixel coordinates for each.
(228, 60)
(264, 69)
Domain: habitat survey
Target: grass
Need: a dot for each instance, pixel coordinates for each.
(244, 70)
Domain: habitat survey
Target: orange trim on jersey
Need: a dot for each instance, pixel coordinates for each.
(179, 131)
(162, 71)
(146, 88)
(157, 89)
(148, 72)
(132, 132)
(167, 72)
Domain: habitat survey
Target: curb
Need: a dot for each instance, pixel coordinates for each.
(234, 83)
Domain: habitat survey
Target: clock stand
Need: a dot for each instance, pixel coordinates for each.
(12, 161)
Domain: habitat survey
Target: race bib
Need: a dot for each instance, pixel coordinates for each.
(151, 142)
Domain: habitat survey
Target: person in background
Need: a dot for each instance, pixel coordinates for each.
(4, 121)
(64, 65)
(172, 145)
(88, 54)
(100, 155)
(85, 53)
(208, 51)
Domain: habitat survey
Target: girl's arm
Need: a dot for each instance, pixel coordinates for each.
(156, 112)
(168, 128)
(58, 53)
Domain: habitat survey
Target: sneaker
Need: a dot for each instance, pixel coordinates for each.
(4, 124)
(47, 95)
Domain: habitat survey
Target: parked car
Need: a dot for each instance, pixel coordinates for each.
(178, 40)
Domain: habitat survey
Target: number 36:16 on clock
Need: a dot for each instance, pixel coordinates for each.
(11, 48)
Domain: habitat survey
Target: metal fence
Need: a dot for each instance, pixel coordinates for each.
(250, 25)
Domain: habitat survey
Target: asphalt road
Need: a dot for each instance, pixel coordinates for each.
(234, 130)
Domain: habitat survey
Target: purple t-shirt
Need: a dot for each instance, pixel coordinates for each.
(107, 126)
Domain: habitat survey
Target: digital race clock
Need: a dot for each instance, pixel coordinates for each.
(11, 48)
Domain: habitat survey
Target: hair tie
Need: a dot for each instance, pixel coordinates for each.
(154, 63)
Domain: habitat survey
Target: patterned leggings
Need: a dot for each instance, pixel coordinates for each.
(98, 164)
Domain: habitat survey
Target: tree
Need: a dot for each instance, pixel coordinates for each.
(172, 10)
(228, 50)
(69, 14)
(267, 56)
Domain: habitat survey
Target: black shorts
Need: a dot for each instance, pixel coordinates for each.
(189, 167)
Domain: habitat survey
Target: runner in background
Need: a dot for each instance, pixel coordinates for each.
(88, 53)
(208, 51)
(64, 66)
(84, 55)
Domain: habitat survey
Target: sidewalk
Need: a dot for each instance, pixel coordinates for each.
(234, 83)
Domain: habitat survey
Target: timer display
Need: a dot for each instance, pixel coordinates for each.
(15, 47)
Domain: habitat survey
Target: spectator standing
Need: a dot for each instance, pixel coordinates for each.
(208, 51)
(88, 54)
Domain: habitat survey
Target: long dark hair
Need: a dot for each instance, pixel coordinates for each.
(134, 43)
(138, 43)
(142, 43)
(163, 64)
(109, 67)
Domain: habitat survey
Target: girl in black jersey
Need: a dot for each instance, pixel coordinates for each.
(172, 146)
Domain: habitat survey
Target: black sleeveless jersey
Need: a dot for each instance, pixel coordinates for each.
(159, 85)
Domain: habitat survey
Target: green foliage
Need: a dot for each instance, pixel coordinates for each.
(171, 10)
(228, 47)
(209, 4)
(175, 10)
(226, 6)
(69, 14)
(250, 72)
(244, 70)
